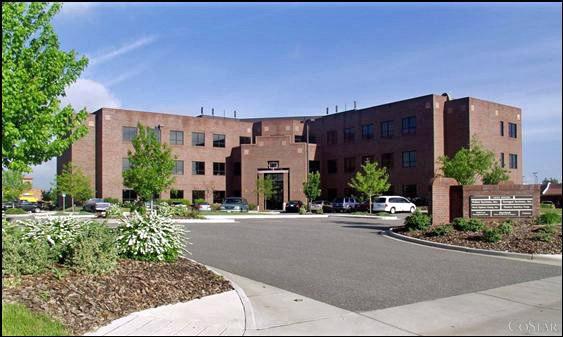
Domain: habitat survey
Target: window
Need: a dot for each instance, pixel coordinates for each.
(387, 129)
(349, 164)
(332, 166)
(502, 164)
(176, 194)
(237, 169)
(245, 140)
(198, 139)
(299, 139)
(218, 197)
(409, 191)
(367, 131)
(512, 130)
(128, 195)
(176, 137)
(368, 159)
(198, 168)
(218, 140)
(408, 126)
(501, 128)
(332, 137)
(349, 135)
(314, 166)
(409, 159)
(178, 168)
(387, 160)
(198, 194)
(513, 161)
(273, 164)
(331, 194)
(125, 165)
(218, 169)
(156, 133)
(129, 133)
(313, 139)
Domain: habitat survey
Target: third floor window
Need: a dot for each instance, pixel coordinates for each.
(218, 140)
(198, 139)
(408, 125)
(387, 129)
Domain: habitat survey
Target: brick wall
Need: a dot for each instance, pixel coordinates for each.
(439, 206)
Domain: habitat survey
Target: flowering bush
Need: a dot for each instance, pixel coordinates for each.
(153, 236)
(114, 211)
(167, 210)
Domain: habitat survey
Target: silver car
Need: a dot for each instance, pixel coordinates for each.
(96, 205)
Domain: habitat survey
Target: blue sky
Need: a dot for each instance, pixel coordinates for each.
(297, 59)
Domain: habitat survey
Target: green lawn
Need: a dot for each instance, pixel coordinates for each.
(17, 320)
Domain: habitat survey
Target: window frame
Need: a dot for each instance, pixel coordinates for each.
(174, 140)
(216, 169)
(196, 170)
(217, 142)
(408, 125)
(386, 129)
(409, 163)
(195, 141)
(370, 132)
(175, 170)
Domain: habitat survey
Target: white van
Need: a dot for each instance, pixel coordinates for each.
(392, 204)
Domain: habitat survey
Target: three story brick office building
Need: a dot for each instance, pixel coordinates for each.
(218, 157)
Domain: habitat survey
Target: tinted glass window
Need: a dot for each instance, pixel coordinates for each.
(380, 200)
(198, 139)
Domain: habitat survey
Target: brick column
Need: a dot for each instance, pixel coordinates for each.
(440, 202)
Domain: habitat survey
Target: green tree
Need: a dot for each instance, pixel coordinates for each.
(74, 183)
(150, 165)
(550, 180)
(470, 163)
(372, 181)
(312, 188)
(495, 175)
(13, 185)
(35, 74)
(265, 187)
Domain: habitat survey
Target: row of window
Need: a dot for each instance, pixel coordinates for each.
(512, 129)
(408, 161)
(408, 127)
(177, 137)
(218, 196)
(512, 160)
(409, 190)
(198, 167)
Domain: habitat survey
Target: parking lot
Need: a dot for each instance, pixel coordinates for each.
(346, 262)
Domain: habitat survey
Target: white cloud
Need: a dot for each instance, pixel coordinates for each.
(146, 40)
(83, 93)
(89, 94)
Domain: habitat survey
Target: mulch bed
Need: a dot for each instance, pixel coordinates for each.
(521, 240)
(86, 302)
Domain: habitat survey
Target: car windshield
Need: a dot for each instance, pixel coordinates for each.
(293, 201)
(380, 200)
(99, 200)
(233, 201)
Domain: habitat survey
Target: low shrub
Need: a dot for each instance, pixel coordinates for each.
(199, 201)
(114, 211)
(251, 207)
(94, 250)
(112, 201)
(21, 256)
(15, 210)
(440, 230)
(152, 237)
(215, 207)
(418, 221)
(505, 227)
(176, 201)
(546, 233)
(178, 211)
(492, 234)
(468, 225)
(547, 205)
(302, 210)
(548, 218)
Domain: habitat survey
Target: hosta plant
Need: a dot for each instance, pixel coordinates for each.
(152, 237)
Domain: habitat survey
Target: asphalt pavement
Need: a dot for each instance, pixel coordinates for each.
(348, 263)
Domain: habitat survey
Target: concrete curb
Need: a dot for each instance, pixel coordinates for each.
(363, 216)
(274, 216)
(543, 258)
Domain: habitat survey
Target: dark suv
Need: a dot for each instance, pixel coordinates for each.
(234, 204)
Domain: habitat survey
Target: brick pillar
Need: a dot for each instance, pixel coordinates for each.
(440, 201)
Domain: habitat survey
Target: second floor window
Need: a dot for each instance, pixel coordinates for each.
(367, 131)
(332, 137)
(198, 139)
(387, 129)
(218, 140)
(409, 159)
(349, 135)
(387, 160)
(512, 130)
(502, 160)
(218, 169)
(125, 165)
(198, 168)
(129, 133)
(349, 164)
(408, 125)
(178, 168)
(513, 158)
(332, 166)
(176, 137)
(501, 126)
(245, 140)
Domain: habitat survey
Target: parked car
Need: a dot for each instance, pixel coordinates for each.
(202, 206)
(320, 205)
(393, 204)
(293, 206)
(96, 205)
(363, 206)
(234, 204)
(347, 204)
(9, 204)
(28, 206)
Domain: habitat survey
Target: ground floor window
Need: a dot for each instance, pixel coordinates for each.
(129, 195)
(349, 164)
(331, 194)
(198, 194)
(314, 166)
(218, 197)
(177, 194)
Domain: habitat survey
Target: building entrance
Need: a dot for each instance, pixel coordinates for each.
(276, 201)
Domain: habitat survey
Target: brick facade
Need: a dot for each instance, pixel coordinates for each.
(419, 129)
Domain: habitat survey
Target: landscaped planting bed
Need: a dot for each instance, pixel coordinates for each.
(526, 236)
(85, 302)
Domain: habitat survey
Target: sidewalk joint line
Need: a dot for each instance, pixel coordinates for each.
(388, 324)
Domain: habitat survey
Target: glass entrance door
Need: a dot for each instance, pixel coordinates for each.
(276, 201)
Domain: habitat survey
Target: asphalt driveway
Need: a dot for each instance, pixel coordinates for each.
(348, 263)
